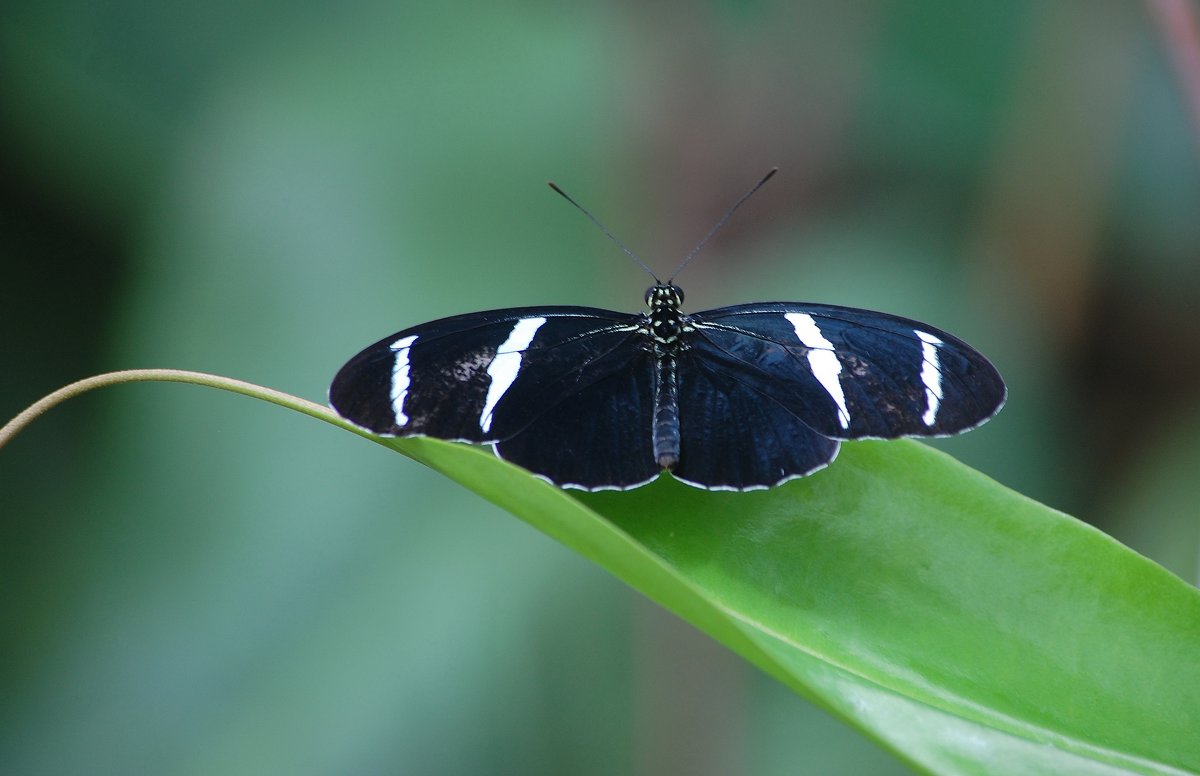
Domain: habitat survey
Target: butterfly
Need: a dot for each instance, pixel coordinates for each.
(737, 398)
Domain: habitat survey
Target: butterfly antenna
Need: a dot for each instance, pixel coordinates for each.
(604, 229)
(721, 223)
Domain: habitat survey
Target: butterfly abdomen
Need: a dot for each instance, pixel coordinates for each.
(666, 412)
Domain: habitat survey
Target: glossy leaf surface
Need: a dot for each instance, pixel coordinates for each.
(960, 624)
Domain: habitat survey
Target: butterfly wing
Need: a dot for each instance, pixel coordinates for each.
(850, 373)
(595, 436)
(566, 392)
(732, 436)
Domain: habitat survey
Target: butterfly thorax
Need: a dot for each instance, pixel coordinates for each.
(667, 322)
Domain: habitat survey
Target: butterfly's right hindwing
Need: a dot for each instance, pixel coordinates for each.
(733, 436)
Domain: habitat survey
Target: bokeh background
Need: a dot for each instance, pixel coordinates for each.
(195, 583)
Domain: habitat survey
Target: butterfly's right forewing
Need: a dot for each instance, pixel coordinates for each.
(851, 373)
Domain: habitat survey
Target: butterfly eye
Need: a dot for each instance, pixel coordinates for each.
(678, 292)
(649, 295)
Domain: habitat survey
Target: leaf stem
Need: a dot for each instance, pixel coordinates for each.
(46, 403)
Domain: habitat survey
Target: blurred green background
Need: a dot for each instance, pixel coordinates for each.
(195, 583)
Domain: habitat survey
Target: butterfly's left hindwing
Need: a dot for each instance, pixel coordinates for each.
(595, 436)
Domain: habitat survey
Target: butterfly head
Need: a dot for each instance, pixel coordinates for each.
(664, 296)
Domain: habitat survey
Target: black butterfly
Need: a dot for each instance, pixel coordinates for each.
(737, 398)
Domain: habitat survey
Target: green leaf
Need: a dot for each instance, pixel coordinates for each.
(961, 625)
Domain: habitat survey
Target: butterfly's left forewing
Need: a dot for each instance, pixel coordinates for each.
(851, 373)
(564, 391)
